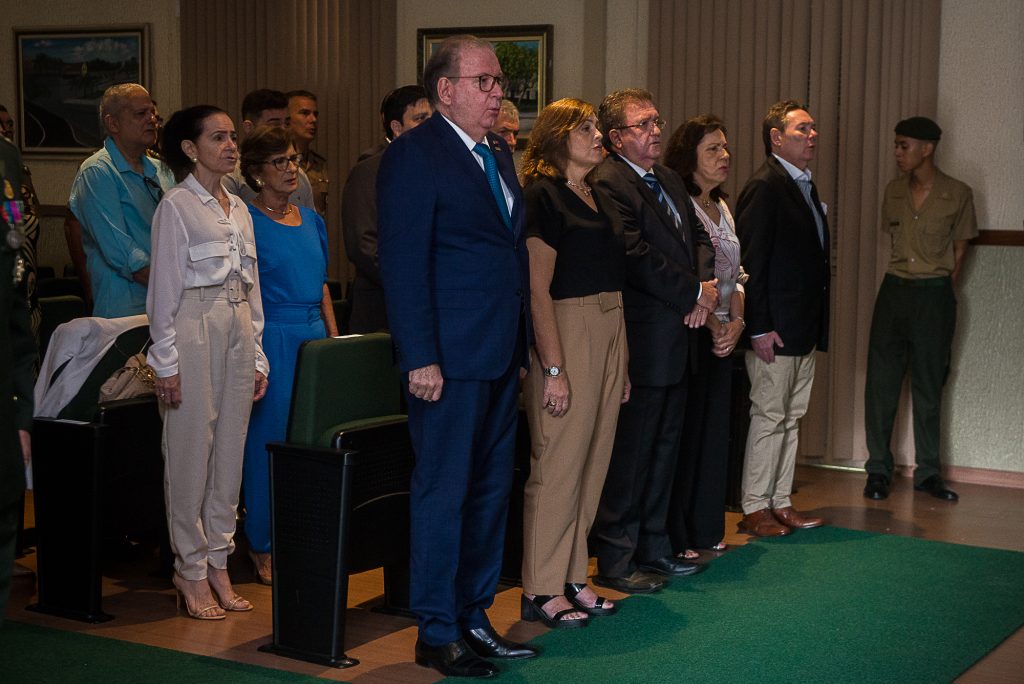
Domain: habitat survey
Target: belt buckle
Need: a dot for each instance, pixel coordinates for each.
(234, 290)
(608, 301)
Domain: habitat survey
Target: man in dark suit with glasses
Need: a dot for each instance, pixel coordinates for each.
(670, 288)
(114, 196)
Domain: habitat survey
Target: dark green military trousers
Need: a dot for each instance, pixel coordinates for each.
(912, 329)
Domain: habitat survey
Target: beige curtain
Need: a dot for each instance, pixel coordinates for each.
(860, 65)
(342, 50)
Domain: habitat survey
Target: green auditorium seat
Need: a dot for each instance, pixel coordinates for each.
(339, 494)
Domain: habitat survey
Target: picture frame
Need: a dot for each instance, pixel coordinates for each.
(61, 76)
(525, 55)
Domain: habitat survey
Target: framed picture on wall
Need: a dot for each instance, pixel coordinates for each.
(61, 77)
(524, 53)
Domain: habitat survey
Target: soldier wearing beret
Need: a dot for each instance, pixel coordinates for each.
(930, 219)
(17, 353)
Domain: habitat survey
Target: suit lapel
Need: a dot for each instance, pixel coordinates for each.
(650, 198)
(507, 171)
(824, 218)
(466, 160)
(797, 197)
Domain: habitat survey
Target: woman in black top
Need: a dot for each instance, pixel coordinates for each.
(577, 271)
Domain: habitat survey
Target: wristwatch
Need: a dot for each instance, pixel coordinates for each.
(552, 371)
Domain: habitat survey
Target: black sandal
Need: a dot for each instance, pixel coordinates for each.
(572, 590)
(532, 609)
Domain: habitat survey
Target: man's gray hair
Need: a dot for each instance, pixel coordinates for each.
(509, 110)
(612, 112)
(445, 62)
(115, 99)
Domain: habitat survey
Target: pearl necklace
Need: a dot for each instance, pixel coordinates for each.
(577, 186)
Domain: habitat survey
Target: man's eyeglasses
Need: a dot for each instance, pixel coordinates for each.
(281, 163)
(647, 125)
(486, 81)
(151, 186)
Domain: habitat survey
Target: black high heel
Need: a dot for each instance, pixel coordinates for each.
(572, 591)
(532, 609)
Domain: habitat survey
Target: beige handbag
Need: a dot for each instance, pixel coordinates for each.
(135, 379)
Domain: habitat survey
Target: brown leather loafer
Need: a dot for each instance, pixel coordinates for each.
(762, 524)
(790, 518)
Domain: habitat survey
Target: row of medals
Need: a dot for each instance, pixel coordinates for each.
(13, 212)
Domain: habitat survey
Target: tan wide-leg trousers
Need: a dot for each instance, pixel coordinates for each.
(779, 395)
(204, 438)
(571, 454)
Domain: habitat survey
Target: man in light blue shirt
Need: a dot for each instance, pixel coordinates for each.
(114, 196)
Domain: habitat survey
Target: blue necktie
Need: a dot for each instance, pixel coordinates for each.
(805, 188)
(491, 169)
(655, 186)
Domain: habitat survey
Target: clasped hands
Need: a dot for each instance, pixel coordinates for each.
(706, 303)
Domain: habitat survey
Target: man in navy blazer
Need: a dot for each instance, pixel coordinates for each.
(784, 235)
(456, 284)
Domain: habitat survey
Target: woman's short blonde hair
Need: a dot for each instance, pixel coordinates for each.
(547, 152)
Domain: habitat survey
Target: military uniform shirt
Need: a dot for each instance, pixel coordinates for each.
(922, 241)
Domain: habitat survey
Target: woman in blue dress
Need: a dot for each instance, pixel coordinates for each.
(291, 244)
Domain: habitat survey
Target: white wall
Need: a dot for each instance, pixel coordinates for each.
(589, 60)
(981, 111)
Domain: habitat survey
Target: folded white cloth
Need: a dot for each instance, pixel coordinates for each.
(81, 343)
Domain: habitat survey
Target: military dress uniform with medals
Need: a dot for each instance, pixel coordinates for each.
(17, 353)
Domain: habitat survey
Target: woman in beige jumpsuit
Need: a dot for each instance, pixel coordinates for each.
(206, 322)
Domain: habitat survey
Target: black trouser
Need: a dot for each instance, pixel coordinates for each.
(912, 327)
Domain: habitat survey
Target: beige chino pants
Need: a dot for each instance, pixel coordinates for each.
(204, 438)
(570, 454)
(779, 396)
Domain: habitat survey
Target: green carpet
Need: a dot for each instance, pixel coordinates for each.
(825, 605)
(41, 655)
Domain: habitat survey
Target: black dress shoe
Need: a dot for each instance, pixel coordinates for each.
(455, 659)
(489, 644)
(877, 487)
(671, 567)
(637, 583)
(937, 488)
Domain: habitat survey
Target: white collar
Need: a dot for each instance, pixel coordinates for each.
(638, 169)
(193, 184)
(795, 173)
(468, 141)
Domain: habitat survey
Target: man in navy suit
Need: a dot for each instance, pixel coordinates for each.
(783, 231)
(455, 274)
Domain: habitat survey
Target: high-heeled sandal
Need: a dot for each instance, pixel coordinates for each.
(572, 592)
(688, 555)
(720, 546)
(208, 612)
(532, 609)
(264, 575)
(236, 604)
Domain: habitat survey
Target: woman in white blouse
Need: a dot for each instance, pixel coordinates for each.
(699, 152)
(206, 322)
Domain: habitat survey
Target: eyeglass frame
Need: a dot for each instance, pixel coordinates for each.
(294, 159)
(645, 125)
(501, 80)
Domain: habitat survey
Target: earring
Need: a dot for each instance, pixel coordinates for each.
(194, 160)
(259, 182)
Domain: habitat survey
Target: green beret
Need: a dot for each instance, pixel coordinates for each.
(919, 128)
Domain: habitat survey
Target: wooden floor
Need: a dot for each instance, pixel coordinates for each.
(145, 611)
